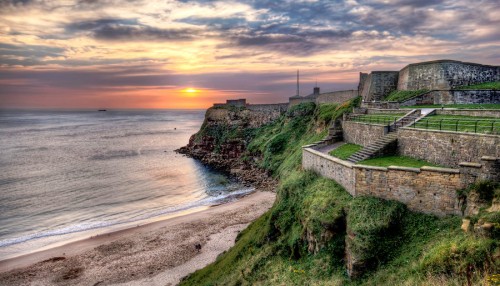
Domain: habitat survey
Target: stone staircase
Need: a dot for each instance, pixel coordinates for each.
(334, 133)
(408, 119)
(374, 148)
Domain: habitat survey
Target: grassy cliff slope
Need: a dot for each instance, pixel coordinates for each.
(316, 233)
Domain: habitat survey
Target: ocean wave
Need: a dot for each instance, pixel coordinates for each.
(211, 200)
(129, 134)
(115, 154)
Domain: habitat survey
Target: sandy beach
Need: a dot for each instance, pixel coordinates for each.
(159, 253)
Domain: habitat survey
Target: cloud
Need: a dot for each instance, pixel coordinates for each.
(111, 29)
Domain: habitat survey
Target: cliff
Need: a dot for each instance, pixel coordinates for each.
(223, 139)
(316, 233)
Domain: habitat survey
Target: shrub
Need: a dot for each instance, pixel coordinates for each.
(459, 255)
(277, 144)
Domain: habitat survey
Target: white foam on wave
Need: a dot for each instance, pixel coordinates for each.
(207, 201)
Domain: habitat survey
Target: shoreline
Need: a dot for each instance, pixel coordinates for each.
(141, 252)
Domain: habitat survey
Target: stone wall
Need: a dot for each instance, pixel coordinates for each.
(475, 96)
(470, 112)
(242, 102)
(386, 111)
(426, 189)
(381, 104)
(281, 107)
(445, 74)
(329, 167)
(447, 148)
(336, 96)
(455, 97)
(294, 100)
(362, 133)
(378, 84)
(241, 117)
(487, 169)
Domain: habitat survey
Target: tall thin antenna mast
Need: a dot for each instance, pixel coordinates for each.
(298, 82)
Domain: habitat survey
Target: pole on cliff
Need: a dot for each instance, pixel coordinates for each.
(297, 82)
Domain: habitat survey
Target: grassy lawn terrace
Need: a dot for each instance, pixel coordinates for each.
(345, 151)
(457, 106)
(487, 85)
(486, 125)
(401, 161)
(401, 95)
(382, 118)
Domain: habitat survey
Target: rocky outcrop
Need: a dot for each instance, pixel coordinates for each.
(222, 143)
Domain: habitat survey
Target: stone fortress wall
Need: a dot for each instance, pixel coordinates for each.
(336, 96)
(377, 84)
(326, 97)
(445, 75)
(454, 97)
(440, 77)
(240, 103)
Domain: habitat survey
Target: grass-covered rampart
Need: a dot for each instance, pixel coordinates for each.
(486, 85)
(402, 95)
(302, 239)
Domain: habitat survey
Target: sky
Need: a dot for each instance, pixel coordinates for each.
(190, 54)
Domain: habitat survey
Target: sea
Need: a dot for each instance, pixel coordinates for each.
(66, 175)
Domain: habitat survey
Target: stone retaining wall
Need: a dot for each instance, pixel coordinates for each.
(336, 96)
(470, 112)
(298, 100)
(426, 189)
(378, 84)
(282, 107)
(445, 74)
(454, 97)
(329, 167)
(447, 148)
(386, 111)
(362, 133)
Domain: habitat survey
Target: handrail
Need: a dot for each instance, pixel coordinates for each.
(464, 125)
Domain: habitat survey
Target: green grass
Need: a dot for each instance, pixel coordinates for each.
(401, 161)
(487, 85)
(461, 123)
(345, 151)
(458, 106)
(381, 118)
(401, 95)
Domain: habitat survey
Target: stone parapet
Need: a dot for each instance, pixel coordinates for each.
(329, 167)
(447, 148)
(362, 133)
(428, 190)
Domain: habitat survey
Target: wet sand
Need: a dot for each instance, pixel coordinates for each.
(159, 253)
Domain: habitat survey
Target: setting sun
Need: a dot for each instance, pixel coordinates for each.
(190, 90)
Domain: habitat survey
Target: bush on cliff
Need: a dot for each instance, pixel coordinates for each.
(374, 231)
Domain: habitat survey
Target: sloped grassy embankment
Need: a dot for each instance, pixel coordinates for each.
(302, 240)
